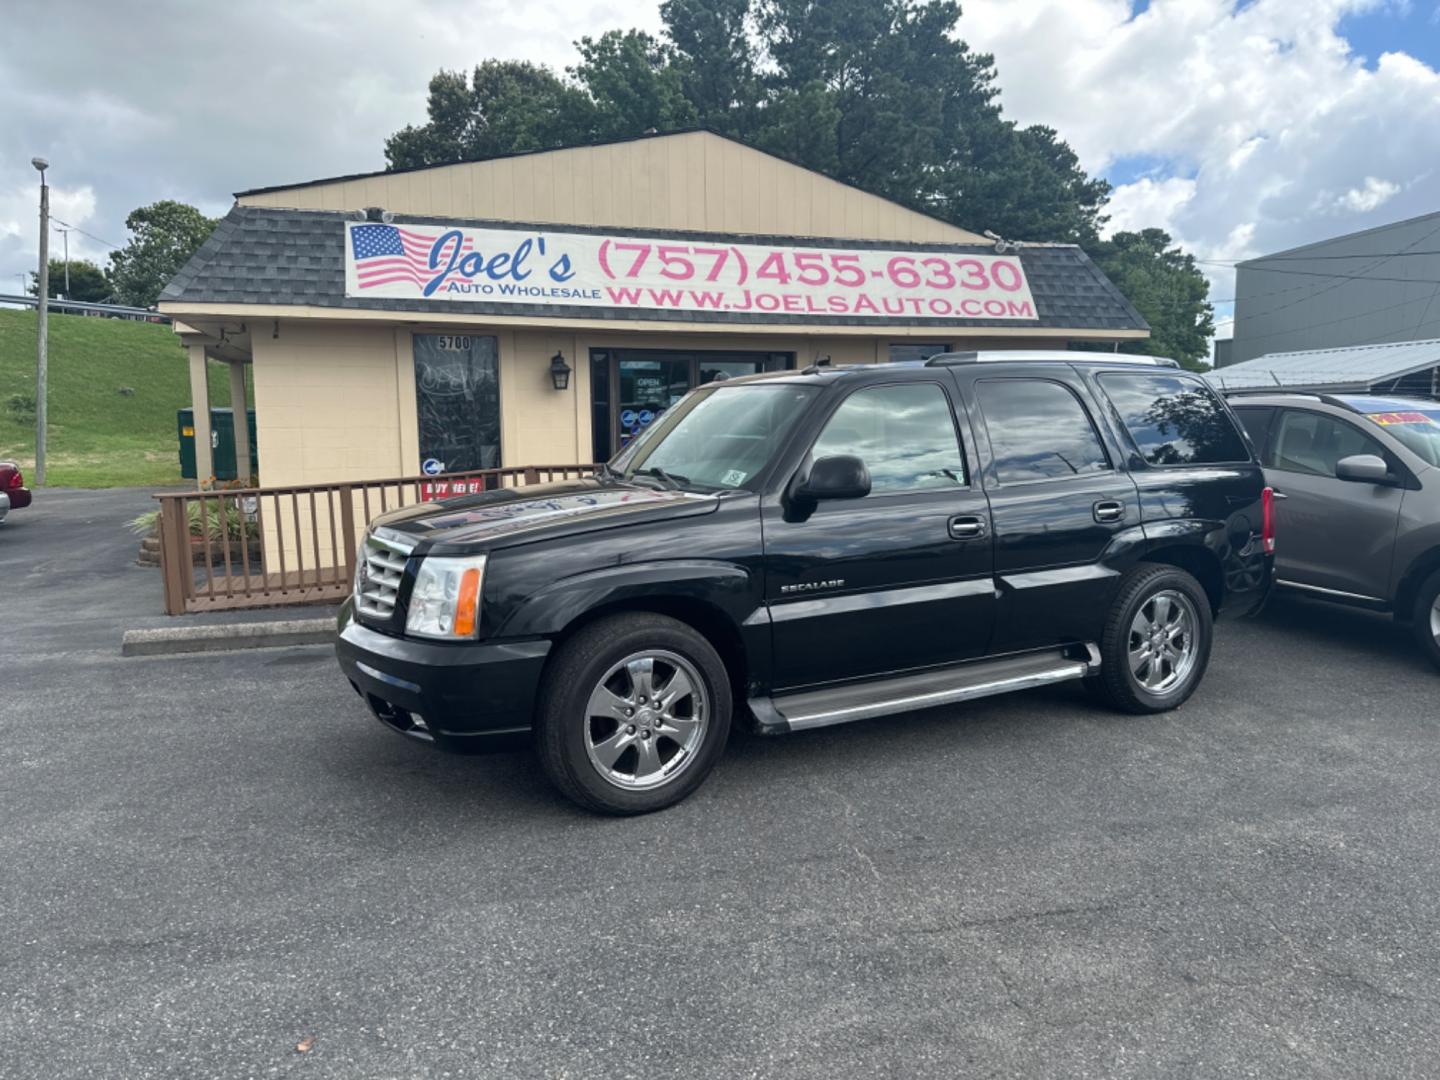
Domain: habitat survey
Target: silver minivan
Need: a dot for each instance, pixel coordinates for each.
(1357, 496)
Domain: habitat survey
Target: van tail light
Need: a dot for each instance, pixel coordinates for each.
(1267, 520)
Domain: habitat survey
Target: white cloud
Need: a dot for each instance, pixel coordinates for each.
(1281, 135)
(1372, 194)
(174, 99)
(1149, 202)
(1267, 131)
(20, 223)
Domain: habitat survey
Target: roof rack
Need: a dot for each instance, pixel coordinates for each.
(1002, 356)
(1280, 391)
(1265, 391)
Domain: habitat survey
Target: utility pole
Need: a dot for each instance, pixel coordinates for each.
(42, 310)
(65, 236)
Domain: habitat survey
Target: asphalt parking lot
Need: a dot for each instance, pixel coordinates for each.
(206, 860)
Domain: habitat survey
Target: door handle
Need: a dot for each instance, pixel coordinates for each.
(1278, 494)
(1108, 511)
(967, 527)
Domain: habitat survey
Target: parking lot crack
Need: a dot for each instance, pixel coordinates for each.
(851, 827)
(1019, 917)
(1350, 978)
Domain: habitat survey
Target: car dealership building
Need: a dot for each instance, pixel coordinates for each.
(543, 308)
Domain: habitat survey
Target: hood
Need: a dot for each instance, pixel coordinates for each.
(521, 515)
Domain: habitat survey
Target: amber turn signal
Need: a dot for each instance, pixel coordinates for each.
(467, 603)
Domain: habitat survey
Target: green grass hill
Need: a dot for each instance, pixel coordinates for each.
(114, 389)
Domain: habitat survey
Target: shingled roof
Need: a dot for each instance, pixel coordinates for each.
(265, 256)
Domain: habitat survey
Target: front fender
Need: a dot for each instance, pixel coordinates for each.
(728, 588)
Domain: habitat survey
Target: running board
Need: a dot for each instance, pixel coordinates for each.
(860, 701)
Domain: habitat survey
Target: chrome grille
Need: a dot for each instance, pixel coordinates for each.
(378, 584)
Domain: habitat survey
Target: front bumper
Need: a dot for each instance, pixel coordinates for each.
(4, 505)
(464, 698)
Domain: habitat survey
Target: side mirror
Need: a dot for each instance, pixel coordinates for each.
(842, 476)
(1364, 469)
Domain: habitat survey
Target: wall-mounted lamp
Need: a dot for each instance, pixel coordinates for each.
(560, 372)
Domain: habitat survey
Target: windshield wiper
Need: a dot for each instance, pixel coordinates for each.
(673, 481)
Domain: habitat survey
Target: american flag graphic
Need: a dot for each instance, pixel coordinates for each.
(387, 253)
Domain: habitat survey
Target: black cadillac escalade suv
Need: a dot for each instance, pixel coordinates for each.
(808, 548)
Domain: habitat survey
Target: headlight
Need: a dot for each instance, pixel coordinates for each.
(445, 602)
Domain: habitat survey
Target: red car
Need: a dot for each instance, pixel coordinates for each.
(13, 492)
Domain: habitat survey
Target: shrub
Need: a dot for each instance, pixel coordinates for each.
(235, 522)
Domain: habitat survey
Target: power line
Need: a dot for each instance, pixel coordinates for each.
(82, 232)
(1332, 288)
(1311, 258)
(1352, 277)
(1333, 322)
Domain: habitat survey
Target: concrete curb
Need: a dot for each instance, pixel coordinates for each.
(256, 635)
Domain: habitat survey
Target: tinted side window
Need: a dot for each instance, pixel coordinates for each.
(1256, 420)
(1310, 443)
(1038, 430)
(904, 434)
(1174, 420)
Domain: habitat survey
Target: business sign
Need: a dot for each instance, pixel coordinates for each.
(428, 262)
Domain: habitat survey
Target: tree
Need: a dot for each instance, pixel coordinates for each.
(88, 282)
(506, 107)
(1167, 287)
(882, 94)
(163, 237)
(895, 96)
(1024, 184)
(716, 60)
(631, 84)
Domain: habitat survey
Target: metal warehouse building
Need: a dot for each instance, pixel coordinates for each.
(1406, 369)
(544, 308)
(1373, 287)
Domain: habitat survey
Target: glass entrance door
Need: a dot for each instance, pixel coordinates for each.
(457, 401)
(646, 389)
(630, 387)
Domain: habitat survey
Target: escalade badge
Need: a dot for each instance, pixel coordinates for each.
(812, 586)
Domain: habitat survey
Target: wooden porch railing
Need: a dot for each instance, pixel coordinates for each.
(274, 546)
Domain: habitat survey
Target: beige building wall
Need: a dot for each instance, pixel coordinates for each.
(691, 181)
(329, 403)
(541, 426)
(335, 401)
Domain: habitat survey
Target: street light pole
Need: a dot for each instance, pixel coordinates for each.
(42, 328)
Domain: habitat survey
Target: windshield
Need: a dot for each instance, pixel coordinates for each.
(716, 437)
(1418, 429)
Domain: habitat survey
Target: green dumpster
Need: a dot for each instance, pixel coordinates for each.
(222, 443)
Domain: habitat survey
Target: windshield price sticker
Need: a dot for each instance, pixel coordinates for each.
(1388, 419)
(636, 272)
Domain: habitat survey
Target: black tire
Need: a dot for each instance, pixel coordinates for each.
(565, 731)
(1118, 683)
(1425, 620)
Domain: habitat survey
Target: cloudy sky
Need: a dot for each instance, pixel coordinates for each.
(1242, 127)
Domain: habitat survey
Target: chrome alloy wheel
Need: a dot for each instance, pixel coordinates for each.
(646, 719)
(1435, 620)
(1162, 641)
